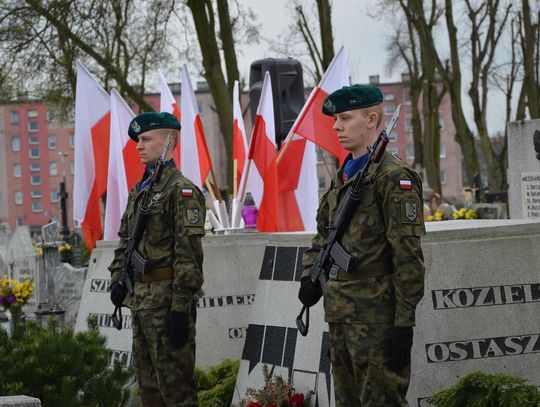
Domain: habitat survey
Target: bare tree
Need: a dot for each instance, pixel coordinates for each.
(122, 39)
(529, 45)
(213, 43)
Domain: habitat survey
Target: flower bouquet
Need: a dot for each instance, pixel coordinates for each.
(277, 392)
(465, 214)
(15, 293)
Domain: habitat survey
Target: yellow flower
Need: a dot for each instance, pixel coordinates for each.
(471, 214)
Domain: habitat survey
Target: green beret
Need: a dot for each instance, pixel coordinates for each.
(150, 121)
(352, 97)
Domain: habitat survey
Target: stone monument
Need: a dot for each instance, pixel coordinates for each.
(524, 169)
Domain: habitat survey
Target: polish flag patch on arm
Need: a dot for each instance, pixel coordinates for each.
(405, 184)
(187, 192)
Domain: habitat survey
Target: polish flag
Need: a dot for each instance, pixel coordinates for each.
(298, 186)
(92, 128)
(239, 136)
(168, 104)
(195, 158)
(125, 167)
(263, 172)
(311, 122)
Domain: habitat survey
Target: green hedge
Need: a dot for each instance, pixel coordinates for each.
(480, 389)
(61, 368)
(216, 383)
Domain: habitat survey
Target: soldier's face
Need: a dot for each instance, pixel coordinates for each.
(356, 130)
(150, 145)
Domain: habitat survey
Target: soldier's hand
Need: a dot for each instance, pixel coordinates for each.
(397, 347)
(118, 293)
(310, 293)
(177, 328)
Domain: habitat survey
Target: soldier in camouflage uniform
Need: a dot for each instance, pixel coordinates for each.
(370, 310)
(163, 305)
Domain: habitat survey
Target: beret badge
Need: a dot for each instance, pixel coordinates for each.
(135, 126)
(328, 105)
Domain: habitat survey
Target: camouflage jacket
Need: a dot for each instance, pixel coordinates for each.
(387, 225)
(172, 238)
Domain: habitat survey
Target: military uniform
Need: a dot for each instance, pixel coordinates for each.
(171, 243)
(383, 287)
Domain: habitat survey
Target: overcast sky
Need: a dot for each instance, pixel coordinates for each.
(363, 37)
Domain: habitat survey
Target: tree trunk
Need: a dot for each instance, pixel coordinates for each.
(227, 44)
(528, 44)
(327, 38)
(203, 17)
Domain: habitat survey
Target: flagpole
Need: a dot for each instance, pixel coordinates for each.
(235, 178)
(245, 178)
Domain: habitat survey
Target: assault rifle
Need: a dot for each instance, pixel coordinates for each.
(332, 257)
(134, 263)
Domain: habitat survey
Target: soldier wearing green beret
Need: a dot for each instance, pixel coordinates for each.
(370, 310)
(163, 304)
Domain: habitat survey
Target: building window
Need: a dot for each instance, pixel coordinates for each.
(52, 142)
(406, 96)
(393, 135)
(32, 113)
(322, 182)
(389, 96)
(34, 152)
(37, 206)
(54, 196)
(33, 126)
(408, 125)
(16, 144)
(33, 140)
(17, 170)
(443, 151)
(18, 197)
(14, 117)
(389, 108)
(443, 176)
(36, 193)
(35, 167)
(20, 221)
(53, 168)
(72, 141)
(410, 151)
(35, 180)
(320, 158)
(392, 150)
(441, 123)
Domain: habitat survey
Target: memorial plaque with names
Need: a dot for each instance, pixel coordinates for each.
(530, 194)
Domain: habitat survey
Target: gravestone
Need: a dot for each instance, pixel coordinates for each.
(524, 169)
(22, 261)
(68, 283)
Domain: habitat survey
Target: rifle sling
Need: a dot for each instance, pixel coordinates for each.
(363, 272)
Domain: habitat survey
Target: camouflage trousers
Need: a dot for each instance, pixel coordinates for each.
(164, 374)
(360, 376)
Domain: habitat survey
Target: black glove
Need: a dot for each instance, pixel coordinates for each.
(397, 347)
(310, 293)
(118, 293)
(177, 328)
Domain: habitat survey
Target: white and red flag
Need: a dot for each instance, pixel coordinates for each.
(168, 104)
(262, 180)
(298, 186)
(125, 167)
(92, 128)
(240, 145)
(311, 122)
(240, 148)
(195, 160)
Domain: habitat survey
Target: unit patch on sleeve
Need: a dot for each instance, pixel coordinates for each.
(193, 215)
(410, 211)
